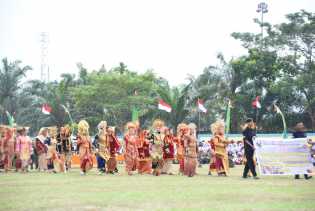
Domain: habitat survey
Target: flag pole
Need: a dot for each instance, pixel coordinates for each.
(198, 123)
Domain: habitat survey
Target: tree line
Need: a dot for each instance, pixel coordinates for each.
(279, 68)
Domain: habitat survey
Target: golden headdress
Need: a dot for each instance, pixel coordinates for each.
(215, 126)
(83, 128)
(158, 123)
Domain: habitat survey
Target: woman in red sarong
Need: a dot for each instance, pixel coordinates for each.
(168, 152)
(182, 129)
(131, 151)
(144, 159)
(85, 147)
(113, 147)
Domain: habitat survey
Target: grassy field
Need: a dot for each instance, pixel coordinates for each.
(43, 191)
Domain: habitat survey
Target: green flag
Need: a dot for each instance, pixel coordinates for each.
(135, 114)
(10, 119)
(228, 118)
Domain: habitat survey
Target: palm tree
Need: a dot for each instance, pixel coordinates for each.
(11, 75)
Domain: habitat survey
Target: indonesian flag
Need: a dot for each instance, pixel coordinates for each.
(256, 103)
(46, 109)
(201, 106)
(164, 106)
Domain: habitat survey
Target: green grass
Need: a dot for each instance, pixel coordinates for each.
(43, 191)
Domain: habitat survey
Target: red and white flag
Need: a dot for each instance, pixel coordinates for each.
(46, 109)
(201, 106)
(256, 103)
(164, 106)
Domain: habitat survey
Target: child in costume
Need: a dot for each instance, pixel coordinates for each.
(131, 152)
(157, 144)
(112, 147)
(41, 148)
(85, 147)
(23, 148)
(219, 161)
(182, 129)
(144, 159)
(101, 144)
(8, 148)
(191, 151)
(168, 152)
(64, 145)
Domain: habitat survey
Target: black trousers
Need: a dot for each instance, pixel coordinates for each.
(249, 164)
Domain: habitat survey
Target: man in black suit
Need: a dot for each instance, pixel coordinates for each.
(249, 132)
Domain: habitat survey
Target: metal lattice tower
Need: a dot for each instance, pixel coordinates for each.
(44, 67)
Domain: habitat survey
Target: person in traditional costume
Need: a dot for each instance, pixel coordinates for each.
(131, 151)
(168, 151)
(101, 144)
(191, 151)
(218, 145)
(85, 147)
(182, 129)
(23, 147)
(8, 148)
(41, 148)
(144, 160)
(53, 157)
(113, 147)
(64, 145)
(157, 144)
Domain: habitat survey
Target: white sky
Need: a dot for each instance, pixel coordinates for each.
(173, 37)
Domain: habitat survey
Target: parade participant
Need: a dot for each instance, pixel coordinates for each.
(157, 143)
(300, 133)
(23, 148)
(113, 147)
(54, 160)
(249, 133)
(8, 148)
(144, 160)
(191, 151)
(131, 152)
(85, 147)
(168, 152)
(64, 145)
(102, 147)
(219, 144)
(41, 148)
(182, 129)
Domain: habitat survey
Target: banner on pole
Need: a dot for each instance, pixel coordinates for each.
(283, 156)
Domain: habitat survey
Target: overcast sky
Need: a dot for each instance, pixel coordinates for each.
(173, 37)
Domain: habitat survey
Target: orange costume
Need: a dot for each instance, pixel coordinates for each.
(85, 147)
(8, 148)
(181, 130)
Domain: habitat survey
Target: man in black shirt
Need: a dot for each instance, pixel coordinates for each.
(249, 133)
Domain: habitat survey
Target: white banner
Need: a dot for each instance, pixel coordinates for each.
(283, 156)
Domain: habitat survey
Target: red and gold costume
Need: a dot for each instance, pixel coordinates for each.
(131, 151)
(64, 145)
(85, 147)
(113, 147)
(168, 152)
(219, 161)
(181, 130)
(144, 157)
